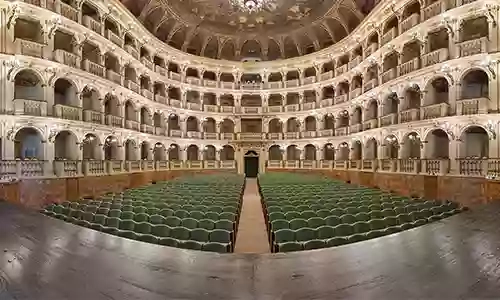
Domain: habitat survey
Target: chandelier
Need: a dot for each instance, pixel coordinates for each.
(250, 6)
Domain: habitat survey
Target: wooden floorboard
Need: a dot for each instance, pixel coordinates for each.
(47, 259)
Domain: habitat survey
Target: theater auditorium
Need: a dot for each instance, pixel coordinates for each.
(249, 149)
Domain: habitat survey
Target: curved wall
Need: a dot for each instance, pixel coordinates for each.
(83, 94)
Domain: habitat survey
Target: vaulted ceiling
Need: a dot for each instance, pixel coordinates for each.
(284, 29)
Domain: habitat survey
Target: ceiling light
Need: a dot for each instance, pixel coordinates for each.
(250, 6)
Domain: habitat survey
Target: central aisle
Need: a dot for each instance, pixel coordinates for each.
(252, 232)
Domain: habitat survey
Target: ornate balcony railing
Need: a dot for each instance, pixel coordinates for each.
(433, 10)
(94, 68)
(473, 47)
(30, 107)
(472, 106)
(434, 111)
(67, 58)
(390, 119)
(93, 116)
(67, 112)
(29, 48)
(409, 115)
(409, 66)
(409, 22)
(435, 57)
(92, 24)
(389, 36)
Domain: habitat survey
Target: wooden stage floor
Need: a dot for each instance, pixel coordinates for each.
(47, 259)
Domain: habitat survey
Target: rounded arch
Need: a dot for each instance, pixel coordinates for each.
(174, 152)
(356, 150)
(309, 152)
(474, 83)
(411, 145)
(146, 152)
(328, 151)
(275, 126)
(28, 143)
(371, 149)
(130, 150)
(275, 153)
(475, 142)
(65, 92)
(28, 85)
(91, 146)
(292, 152)
(66, 145)
(227, 153)
(192, 152)
(438, 143)
(209, 152)
(251, 48)
(343, 151)
(159, 152)
(227, 50)
(111, 148)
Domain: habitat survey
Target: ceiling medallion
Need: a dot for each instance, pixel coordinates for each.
(251, 6)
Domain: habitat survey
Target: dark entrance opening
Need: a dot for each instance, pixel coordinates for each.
(251, 164)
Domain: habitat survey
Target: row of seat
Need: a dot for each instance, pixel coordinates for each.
(336, 213)
(136, 213)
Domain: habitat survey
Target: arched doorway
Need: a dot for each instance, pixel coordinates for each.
(251, 164)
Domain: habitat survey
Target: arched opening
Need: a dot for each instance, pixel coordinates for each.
(91, 101)
(411, 146)
(371, 44)
(390, 65)
(410, 58)
(356, 119)
(228, 101)
(145, 116)
(309, 98)
(292, 99)
(112, 65)
(356, 150)
(371, 147)
(436, 100)
(209, 125)
(310, 123)
(329, 152)
(292, 153)
(342, 123)
(475, 84)
(251, 49)
(130, 112)
(173, 122)
(209, 153)
(343, 152)
(275, 153)
(473, 29)
(390, 30)
(292, 125)
(328, 121)
(371, 78)
(210, 99)
(28, 86)
(91, 147)
(192, 124)
(438, 145)
(372, 110)
(159, 152)
(227, 153)
(474, 143)
(28, 144)
(227, 126)
(310, 152)
(111, 106)
(32, 31)
(146, 151)
(275, 100)
(65, 94)
(131, 150)
(174, 153)
(174, 93)
(111, 148)
(66, 146)
(192, 153)
(391, 147)
(275, 126)
(356, 85)
(251, 101)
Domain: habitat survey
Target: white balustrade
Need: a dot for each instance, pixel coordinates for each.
(210, 83)
(67, 112)
(435, 57)
(355, 62)
(390, 119)
(160, 70)
(210, 108)
(388, 36)
(94, 68)
(355, 128)
(227, 109)
(210, 135)
(355, 93)
(29, 48)
(434, 111)
(132, 51)
(161, 99)
(342, 131)
(291, 135)
(309, 80)
(66, 11)
(147, 93)
(340, 99)
(132, 125)
(114, 38)
(370, 84)
(67, 58)
(370, 124)
(174, 76)
(292, 83)
(193, 106)
(275, 109)
(341, 70)
(175, 133)
(389, 75)
(308, 105)
(148, 63)
(193, 134)
(175, 103)
(326, 132)
(275, 135)
(113, 76)
(433, 10)
(409, 115)
(409, 66)
(93, 116)
(114, 121)
(227, 136)
(291, 108)
(193, 80)
(308, 134)
(92, 24)
(326, 102)
(409, 22)
(146, 128)
(473, 47)
(30, 107)
(131, 85)
(370, 49)
(472, 106)
(326, 75)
